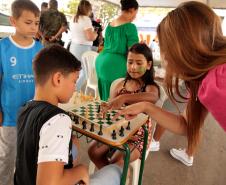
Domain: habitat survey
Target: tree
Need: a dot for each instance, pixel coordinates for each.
(103, 10)
(71, 7)
(107, 12)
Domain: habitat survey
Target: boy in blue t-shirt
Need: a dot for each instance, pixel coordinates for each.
(16, 79)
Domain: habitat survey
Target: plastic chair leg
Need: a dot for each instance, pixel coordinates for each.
(136, 169)
(91, 167)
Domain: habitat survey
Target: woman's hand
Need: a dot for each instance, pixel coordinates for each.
(133, 110)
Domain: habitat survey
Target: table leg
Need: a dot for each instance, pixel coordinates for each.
(126, 164)
(143, 154)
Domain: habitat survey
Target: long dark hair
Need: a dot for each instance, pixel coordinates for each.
(191, 41)
(128, 4)
(148, 77)
(83, 7)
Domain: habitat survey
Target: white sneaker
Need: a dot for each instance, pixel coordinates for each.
(182, 156)
(154, 146)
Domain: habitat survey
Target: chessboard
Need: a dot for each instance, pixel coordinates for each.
(87, 119)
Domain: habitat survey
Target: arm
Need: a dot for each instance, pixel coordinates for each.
(53, 173)
(50, 171)
(151, 95)
(64, 27)
(58, 34)
(90, 34)
(168, 120)
(132, 35)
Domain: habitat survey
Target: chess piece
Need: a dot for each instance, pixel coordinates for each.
(108, 116)
(84, 125)
(113, 135)
(98, 110)
(92, 127)
(121, 131)
(76, 120)
(100, 132)
(128, 126)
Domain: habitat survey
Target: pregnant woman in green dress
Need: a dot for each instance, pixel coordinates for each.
(119, 36)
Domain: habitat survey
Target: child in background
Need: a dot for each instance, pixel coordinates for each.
(17, 80)
(44, 137)
(138, 86)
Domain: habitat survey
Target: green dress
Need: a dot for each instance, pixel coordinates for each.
(111, 62)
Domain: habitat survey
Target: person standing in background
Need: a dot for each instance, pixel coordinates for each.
(44, 7)
(16, 79)
(82, 35)
(52, 24)
(119, 36)
(98, 28)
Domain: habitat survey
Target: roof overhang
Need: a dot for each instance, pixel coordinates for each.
(173, 3)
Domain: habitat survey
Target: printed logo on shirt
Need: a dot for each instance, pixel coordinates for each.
(13, 61)
(23, 78)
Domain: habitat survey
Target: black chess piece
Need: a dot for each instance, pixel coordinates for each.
(100, 132)
(92, 127)
(113, 135)
(128, 126)
(108, 117)
(98, 110)
(84, 125)
(121, 131)
(76, 120)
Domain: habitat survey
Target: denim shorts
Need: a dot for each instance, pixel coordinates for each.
(108, 175)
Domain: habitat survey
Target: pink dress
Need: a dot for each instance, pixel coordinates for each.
(212, 93)
(139, 136)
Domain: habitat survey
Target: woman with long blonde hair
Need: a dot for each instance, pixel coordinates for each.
(194, 50)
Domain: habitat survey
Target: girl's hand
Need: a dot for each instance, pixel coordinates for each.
(117, 102)
(132, 111)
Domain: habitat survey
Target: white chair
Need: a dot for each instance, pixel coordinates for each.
(88, 60)
(135, 164)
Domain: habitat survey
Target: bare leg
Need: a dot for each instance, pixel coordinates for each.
(97, 154)
(159, 131)
(118, 156)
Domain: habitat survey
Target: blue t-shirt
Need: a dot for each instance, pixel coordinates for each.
(17, 79)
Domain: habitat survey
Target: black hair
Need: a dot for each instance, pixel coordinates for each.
(128, 4)
(44, 5)
(18, 6)
(148, 77)
(52, 59)
(53, 4)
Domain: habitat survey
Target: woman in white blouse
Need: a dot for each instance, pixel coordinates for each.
(83, 35)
